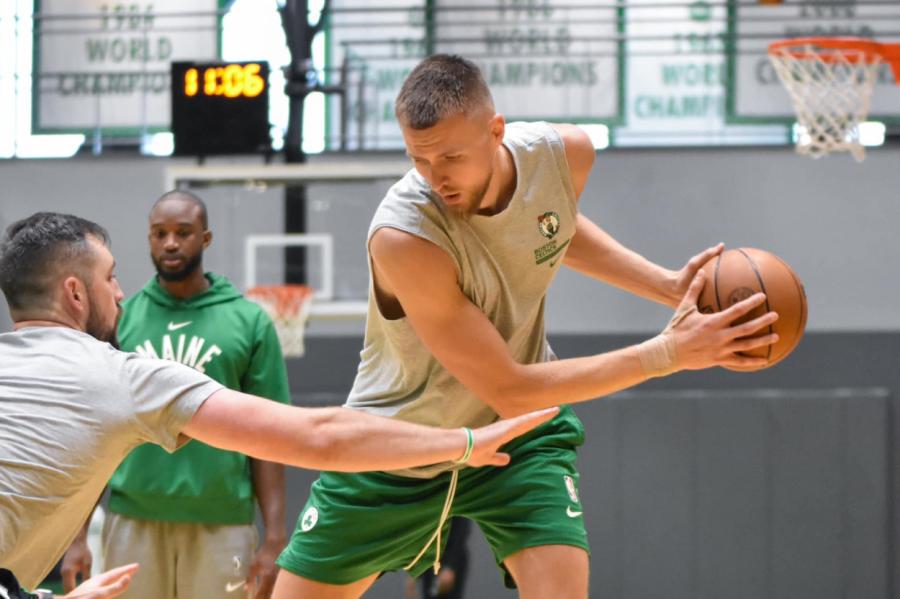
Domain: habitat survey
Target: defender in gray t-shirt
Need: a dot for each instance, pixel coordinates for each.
(72, 406)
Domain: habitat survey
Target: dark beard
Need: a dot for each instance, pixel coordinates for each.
(190, 266)
(95, 329)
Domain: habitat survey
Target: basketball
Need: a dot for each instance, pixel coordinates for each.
(737, 274)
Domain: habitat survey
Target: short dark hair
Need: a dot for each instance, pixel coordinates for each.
(187, 196)
(441, 86)
(37, 250)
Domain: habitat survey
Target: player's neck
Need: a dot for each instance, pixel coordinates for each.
(43, 322)
(194, 284)
(503, 184)
(55, 317)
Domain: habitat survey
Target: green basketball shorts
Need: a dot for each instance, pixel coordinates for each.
(355, 525)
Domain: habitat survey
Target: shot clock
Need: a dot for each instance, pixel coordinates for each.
(220, 108)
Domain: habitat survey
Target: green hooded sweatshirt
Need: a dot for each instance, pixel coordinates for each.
(233, 341)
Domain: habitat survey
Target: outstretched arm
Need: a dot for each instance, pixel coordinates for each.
(340, 439)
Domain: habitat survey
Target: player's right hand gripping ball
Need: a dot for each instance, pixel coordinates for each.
(737, 274)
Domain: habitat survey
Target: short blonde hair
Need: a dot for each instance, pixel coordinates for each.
(441, 86)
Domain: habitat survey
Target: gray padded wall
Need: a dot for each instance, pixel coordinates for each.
(743, 494)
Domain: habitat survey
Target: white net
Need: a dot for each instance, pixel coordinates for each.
(831, 90)
(288, 306)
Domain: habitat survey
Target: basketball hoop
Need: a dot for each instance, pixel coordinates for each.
(830, 81)
(288, 306)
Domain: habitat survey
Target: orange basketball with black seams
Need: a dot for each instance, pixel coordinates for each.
(737, 274)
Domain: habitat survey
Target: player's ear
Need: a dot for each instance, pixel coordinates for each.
(75, 295)
(207, 238)
(498, 128)
(71, 288)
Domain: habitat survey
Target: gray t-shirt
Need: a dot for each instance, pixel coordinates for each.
(71, 409)
(505, 264)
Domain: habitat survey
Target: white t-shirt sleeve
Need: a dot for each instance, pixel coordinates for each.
(165, 395)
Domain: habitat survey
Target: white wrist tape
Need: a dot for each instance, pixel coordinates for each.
(657, 355)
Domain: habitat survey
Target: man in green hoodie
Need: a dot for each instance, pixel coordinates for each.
(188, 517)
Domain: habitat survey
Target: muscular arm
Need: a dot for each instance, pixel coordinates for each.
(595, 253)
(421, 278)
(340, 439)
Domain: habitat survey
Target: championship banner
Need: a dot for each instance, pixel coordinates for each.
(370, 53)
(676, 67)
(555, 60)
(105, 66)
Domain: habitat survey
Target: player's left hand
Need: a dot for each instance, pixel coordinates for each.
(683, 277)
(263, 569)
(105, 586)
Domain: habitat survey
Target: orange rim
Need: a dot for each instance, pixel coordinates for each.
(869, 50)
(286, 299)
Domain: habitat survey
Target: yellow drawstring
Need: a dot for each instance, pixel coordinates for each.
(451, 493)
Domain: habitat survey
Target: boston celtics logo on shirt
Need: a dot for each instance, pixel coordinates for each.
(549, 252)
(548, 224)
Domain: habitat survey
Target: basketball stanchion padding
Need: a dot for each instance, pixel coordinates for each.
(288, 306)
(737, 274)
(830, 81)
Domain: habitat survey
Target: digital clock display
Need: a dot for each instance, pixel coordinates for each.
(231, 81)
(220, 108)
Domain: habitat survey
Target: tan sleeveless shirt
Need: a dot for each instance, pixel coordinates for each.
(505, 263)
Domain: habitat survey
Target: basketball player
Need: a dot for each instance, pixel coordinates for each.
(194, 506)
(462, 251)
(72, 406)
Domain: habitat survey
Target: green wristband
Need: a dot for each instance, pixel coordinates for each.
(470, 444)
